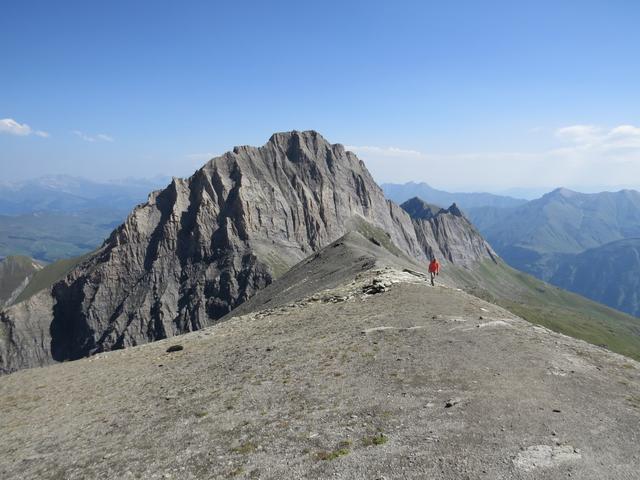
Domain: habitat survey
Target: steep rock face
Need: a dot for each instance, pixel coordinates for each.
(202, 246)
(25, 339)
(447, 234)
(420, 210)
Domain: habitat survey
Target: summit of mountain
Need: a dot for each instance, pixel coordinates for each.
(204, 245)
(402, 192)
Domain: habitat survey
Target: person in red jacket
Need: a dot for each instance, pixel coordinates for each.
(434, 269)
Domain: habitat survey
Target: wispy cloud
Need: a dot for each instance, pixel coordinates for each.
(104, 137)
(584, 155)
(201, 156)
(11, 127)
(100, 137)
(384, 151)
(592, 136)
(579, 133)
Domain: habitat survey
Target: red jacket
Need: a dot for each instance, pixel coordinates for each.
(434, 266)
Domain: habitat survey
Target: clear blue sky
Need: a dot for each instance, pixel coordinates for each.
(468, 94)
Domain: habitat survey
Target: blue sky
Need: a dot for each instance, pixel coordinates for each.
(461, 94)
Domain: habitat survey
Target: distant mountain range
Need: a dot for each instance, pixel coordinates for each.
(402, 192)
(56, 217)
(562, 221)
(67, 194)
(583, 242)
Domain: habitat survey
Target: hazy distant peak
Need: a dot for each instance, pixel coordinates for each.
(564, 192)
(402, 192)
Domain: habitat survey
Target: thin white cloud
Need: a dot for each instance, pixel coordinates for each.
(594, 137)
(104, 137)
(11, 127)
(383, 151)
(84, 137)
(201, 156)
(100, 137)
(579, 133)
(585, 155)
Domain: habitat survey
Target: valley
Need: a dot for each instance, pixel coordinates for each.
(583, 243)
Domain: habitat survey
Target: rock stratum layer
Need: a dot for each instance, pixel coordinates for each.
(205, 244)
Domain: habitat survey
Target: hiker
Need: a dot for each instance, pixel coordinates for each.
(434, 269)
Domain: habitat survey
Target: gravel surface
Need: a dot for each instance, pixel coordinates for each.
(410, 382)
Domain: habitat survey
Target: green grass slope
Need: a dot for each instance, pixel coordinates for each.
(552, 307)
(14, 270)
(49, 275)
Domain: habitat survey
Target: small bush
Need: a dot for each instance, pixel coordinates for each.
(340, 452)
(378, 439)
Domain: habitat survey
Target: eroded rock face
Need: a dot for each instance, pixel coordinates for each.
(203, 245)
(447, 234)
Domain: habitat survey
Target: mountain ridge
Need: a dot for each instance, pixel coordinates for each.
(550, 237)
(205, 244)
(402, 192)
(361, 370)
(609, 274)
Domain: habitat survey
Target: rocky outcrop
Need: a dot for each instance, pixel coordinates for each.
(447, 234)
(205, 244)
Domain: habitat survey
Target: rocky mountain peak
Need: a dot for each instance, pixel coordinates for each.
(419, 209)
(447, 234)
(205, 244)
(454, 210)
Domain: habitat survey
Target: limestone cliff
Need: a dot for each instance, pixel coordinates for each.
(205, 244)
(447, 234)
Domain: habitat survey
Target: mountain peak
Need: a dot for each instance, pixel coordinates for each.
(205, 244)
(296, 140)
(563, 192)
(297, 134)
(454, 210)
(418, 208)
